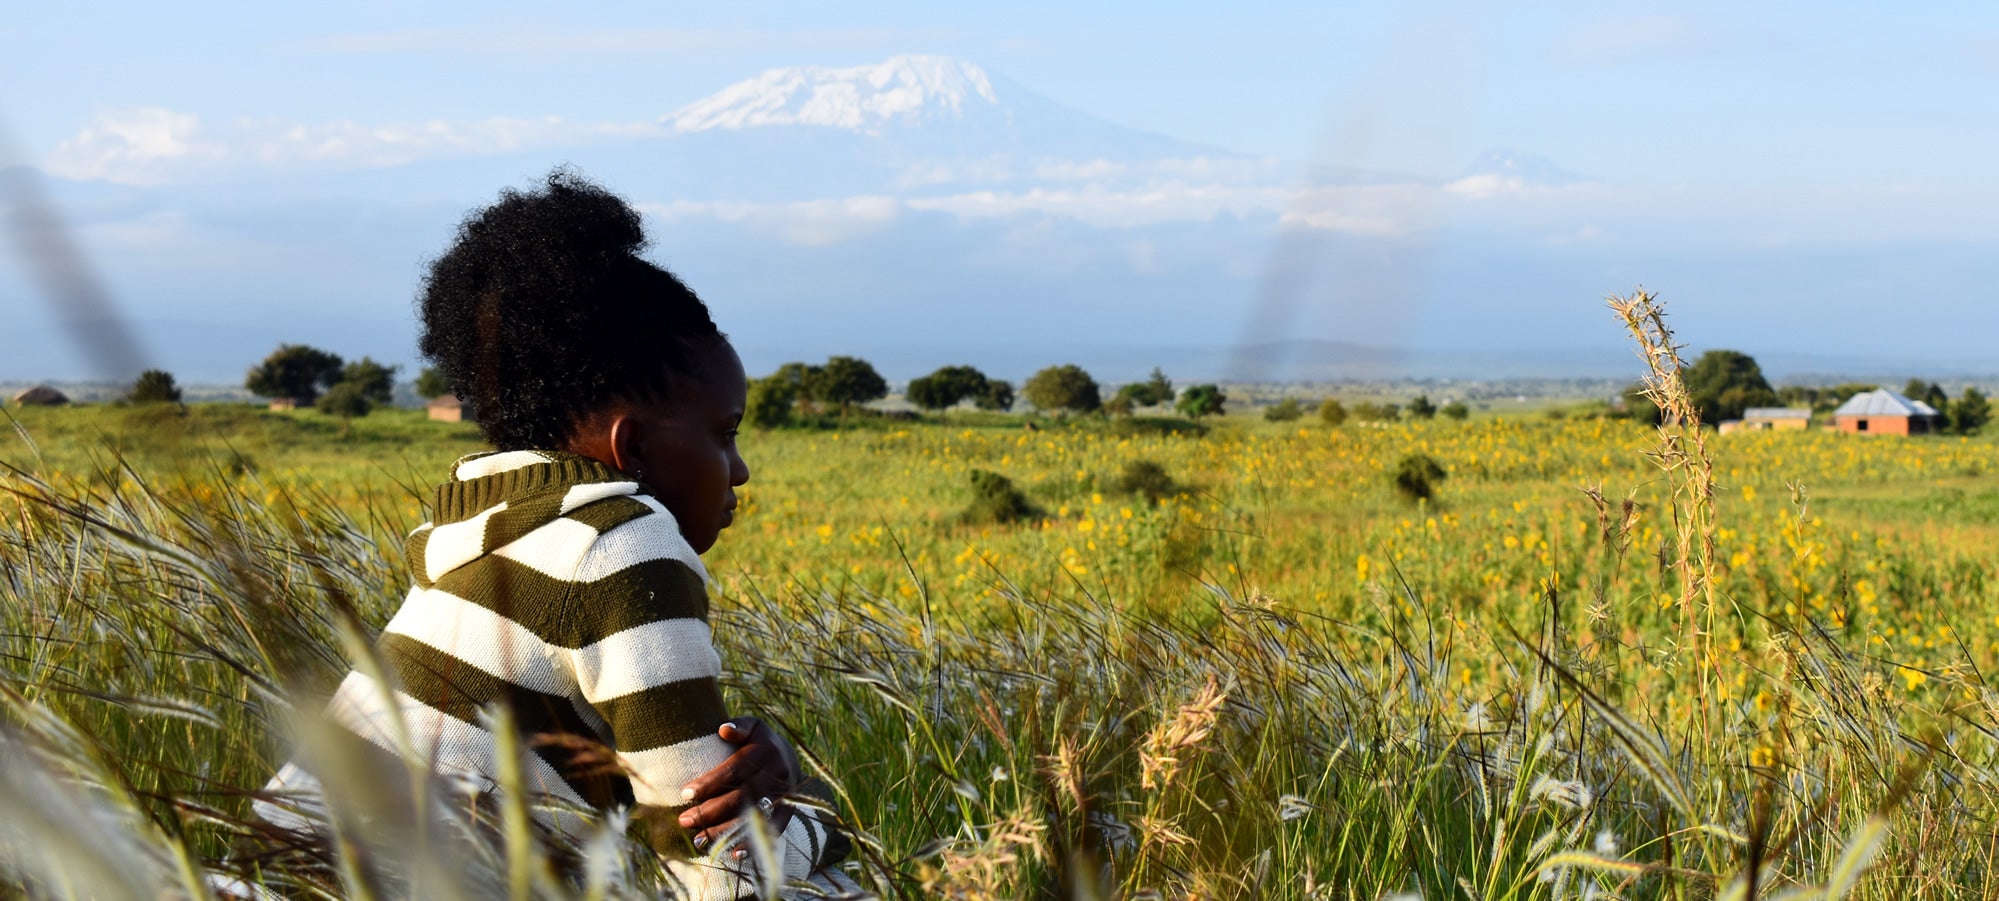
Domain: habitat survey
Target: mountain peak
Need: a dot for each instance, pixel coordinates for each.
(900, 91)
(1525, 168)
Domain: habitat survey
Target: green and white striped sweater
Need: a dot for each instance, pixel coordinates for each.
(551, 583)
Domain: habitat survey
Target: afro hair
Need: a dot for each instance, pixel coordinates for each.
(542, 312)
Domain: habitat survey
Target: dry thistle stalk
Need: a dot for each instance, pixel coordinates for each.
(1683, 455)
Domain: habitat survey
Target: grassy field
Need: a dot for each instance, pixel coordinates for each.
(1573, 672)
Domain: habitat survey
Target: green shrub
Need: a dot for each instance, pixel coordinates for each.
(770, 402)
(1417, 475)
(1284, 410)
(1332, 412)
(1146, 479)
(996, 500)
(346, 400)
(1368, 411)
(1156, 425)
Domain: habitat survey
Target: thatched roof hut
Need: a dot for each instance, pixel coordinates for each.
(40, 396)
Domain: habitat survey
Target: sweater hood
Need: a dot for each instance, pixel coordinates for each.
(496, 497)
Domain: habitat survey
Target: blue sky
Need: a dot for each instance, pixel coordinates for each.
(1724, 93)
(1754, 156)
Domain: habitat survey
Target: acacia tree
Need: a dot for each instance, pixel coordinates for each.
(376, 382)
(1156, 389)
(154, 386)
(1726, 382)
(847, 381)
(996, 395)
(430, 382)
(802, 379)
(1970, 412)
(294, 371)
(947, 386)
(1201, 400)
(1422, 408)
(1928, 392)
(1065, 387)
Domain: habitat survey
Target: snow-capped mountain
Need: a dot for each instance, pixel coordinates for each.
(902, 91)
(909, 121)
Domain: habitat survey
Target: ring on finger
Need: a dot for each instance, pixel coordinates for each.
(766, 805)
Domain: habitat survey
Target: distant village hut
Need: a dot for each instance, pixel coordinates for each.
(40, 396)
(1883, 412)
(281, 404)
(448, 408)
(1770, 419)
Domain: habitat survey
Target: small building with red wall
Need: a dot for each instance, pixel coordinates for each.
(1883, 412)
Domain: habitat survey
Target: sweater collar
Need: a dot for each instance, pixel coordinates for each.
(483, 480)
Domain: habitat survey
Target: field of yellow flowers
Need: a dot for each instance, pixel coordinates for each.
(1270, 676)
(1884, 541)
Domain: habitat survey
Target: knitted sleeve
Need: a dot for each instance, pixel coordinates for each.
(645, 660)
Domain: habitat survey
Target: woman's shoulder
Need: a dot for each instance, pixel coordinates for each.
(638, 570)
(632, 530)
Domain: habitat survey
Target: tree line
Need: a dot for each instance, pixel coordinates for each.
(843, 382)
(1722, 383)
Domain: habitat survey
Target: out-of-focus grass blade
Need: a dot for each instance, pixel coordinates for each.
(54, 834)
(1853, 861)
(75, 294)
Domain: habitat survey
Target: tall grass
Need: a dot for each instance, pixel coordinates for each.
(168, 637)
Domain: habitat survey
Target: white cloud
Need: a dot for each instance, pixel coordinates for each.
(812, 223)
(150, 145)
(1372, 210)
(133, 146)
(1480, 187)
(1113, 208)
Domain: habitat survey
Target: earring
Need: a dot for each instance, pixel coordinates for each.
(639, 475)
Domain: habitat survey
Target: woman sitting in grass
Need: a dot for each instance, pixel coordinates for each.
(560, 575)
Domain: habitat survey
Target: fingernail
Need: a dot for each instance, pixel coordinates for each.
(687, 794)
(739, 855)
(686, 819)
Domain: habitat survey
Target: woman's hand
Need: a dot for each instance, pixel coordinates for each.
(763, 766)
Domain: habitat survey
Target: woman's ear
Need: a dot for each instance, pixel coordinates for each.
(627, 438)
